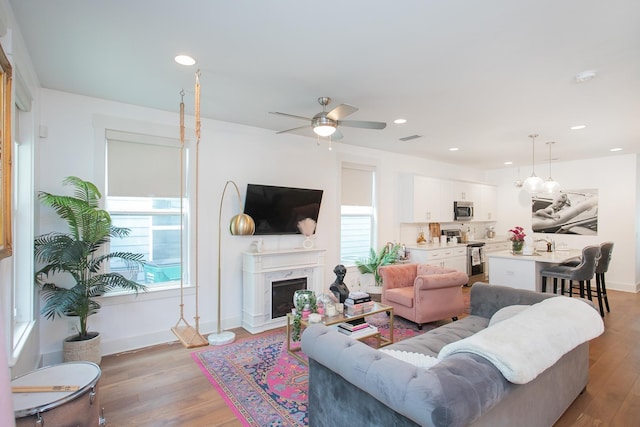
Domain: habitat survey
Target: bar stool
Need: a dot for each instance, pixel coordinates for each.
(581, 273)
(606, 249)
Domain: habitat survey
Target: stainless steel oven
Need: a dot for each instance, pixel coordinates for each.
(475, 262)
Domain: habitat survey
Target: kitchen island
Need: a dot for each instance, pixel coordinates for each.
(523, 271)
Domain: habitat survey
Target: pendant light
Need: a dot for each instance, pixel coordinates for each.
(551, 186)
(534, 184)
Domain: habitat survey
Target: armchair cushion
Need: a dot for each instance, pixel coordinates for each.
(402, 296)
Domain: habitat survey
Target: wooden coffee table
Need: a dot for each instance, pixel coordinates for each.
(339, 318)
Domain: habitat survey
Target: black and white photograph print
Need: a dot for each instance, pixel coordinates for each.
(568, 212)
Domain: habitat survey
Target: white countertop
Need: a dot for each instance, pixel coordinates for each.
(434, 246)
(552, 257)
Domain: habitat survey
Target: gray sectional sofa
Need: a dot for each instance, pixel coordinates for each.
(353, 384)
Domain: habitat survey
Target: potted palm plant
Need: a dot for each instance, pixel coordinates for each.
(76, 260)
(387, 255)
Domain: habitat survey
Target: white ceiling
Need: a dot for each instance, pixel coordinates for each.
(479, 75)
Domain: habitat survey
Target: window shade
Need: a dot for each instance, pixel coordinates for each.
(142, 165)
(357, 186)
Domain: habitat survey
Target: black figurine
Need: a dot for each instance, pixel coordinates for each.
(339, 289)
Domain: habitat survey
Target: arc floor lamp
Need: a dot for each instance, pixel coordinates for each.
(240, 225)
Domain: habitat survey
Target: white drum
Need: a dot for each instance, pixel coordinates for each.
(59, 408)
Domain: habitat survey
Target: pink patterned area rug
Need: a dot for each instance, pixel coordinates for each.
(263, 384)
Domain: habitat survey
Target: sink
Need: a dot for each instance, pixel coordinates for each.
(535, 253)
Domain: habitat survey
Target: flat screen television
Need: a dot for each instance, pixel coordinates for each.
(277, 210)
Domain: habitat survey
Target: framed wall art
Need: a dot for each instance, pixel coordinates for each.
(5, 155)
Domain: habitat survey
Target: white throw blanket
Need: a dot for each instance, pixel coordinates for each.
(528, 343)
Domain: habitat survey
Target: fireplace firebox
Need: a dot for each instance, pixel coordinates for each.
(282, 295)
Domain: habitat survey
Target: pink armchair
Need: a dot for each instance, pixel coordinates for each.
(423, 293)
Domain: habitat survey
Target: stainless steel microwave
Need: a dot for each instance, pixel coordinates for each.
(462, 210)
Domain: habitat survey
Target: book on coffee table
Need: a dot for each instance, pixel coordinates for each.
(361, 333)
(353, 327)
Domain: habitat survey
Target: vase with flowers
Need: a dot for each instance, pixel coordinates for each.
(307, 227)
(517, 239)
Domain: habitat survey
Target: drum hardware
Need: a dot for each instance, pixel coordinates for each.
(92, 395)
(102, 421)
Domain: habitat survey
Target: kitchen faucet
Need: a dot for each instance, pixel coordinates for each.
(551, 244)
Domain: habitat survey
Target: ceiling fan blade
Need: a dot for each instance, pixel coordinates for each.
(294, 129)
(337, 135)
(289, 115)
(341, 111)
(362, 124)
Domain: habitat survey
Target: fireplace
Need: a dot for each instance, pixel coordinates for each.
(269, 280)
(282, 295)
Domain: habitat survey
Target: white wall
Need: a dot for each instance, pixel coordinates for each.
(227, 152)
(616, 179)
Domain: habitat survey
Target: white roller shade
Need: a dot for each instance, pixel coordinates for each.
(142, 165)
(357, 186)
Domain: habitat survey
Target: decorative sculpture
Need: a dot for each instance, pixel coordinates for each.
(339, 289)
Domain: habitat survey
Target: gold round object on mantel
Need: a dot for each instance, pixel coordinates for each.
(242, 225)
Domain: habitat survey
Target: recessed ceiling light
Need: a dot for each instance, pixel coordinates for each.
(400, 121)
(578, 127)
(184, 60)
(508, 163)
(615, 149)
(585, 76)
(454, 149)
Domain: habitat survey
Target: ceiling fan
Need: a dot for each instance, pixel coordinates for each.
(326, 123)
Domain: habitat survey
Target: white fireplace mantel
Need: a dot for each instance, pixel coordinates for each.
(260, 269)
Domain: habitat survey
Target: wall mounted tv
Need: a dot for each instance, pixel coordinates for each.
(277, 210)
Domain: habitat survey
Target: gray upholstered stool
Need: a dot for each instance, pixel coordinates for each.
(606, 249)
(582, 273)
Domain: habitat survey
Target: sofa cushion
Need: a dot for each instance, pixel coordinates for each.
(402, 296)
(432, 341)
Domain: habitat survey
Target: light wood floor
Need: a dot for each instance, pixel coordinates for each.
(162, 385)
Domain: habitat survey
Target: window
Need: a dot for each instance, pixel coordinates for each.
(357, 212)
(24, 312)
(143, 194)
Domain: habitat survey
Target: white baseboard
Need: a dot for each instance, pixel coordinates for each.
(623, 287)
(133, 343)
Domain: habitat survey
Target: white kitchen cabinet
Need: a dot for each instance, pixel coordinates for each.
(450, 257)
(421, 200)
(493, 246)
(485, 202)
(427, 199)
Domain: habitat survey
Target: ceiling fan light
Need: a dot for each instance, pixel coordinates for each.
(324, 130)
(533, 185)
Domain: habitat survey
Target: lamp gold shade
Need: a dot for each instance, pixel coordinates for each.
(242, 225)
